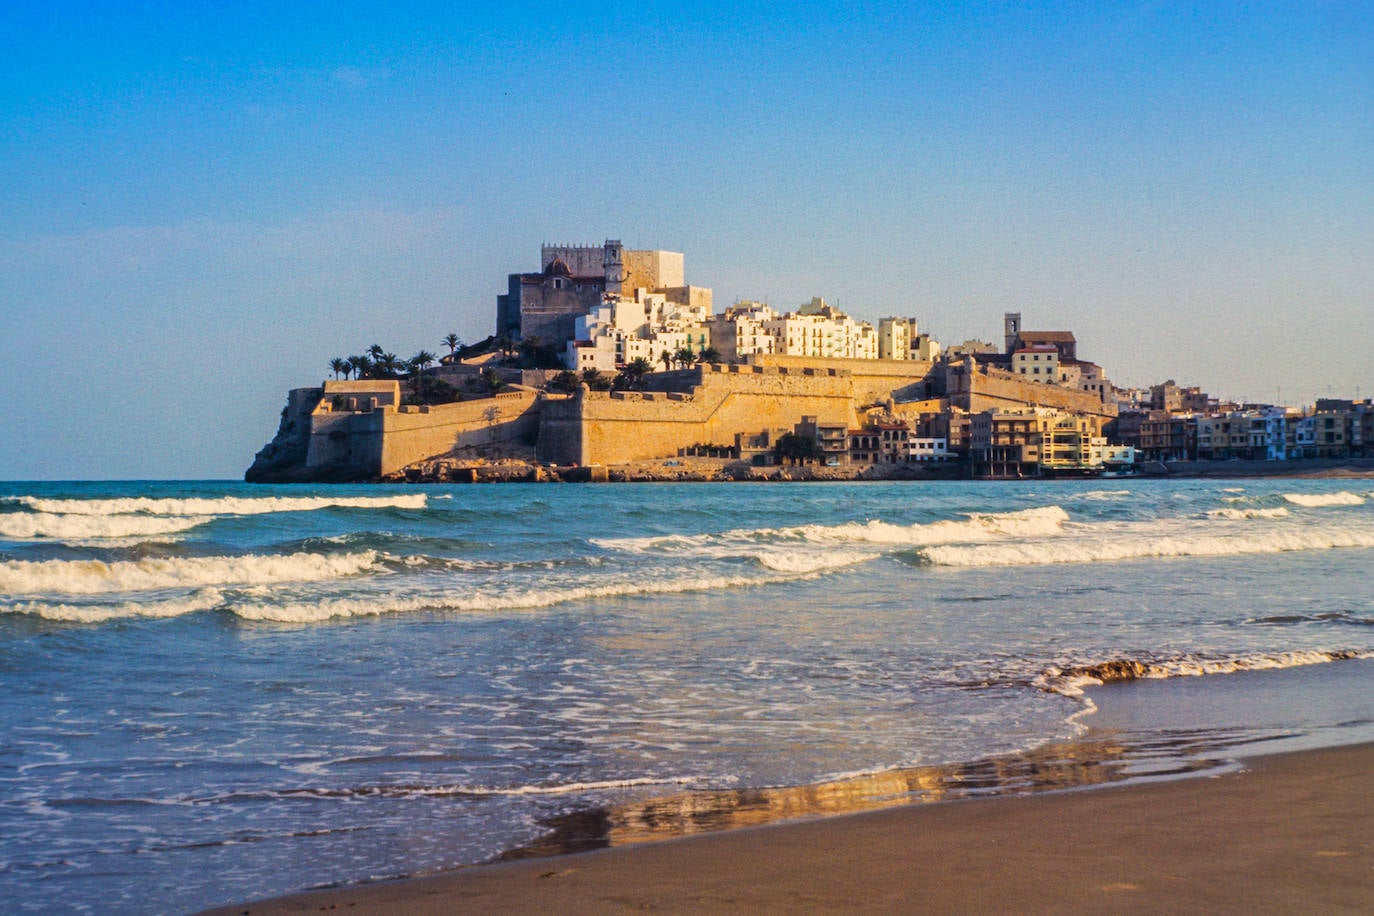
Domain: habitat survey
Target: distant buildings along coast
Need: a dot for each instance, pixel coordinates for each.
(608, 356)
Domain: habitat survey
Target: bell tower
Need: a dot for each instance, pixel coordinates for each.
(614, 263)
(1012, 323)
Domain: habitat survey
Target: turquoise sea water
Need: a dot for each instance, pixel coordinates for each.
(216, 692)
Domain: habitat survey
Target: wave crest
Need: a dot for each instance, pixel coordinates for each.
(201, 600)
(224, 505)
(1147, 543)
(1071, 680)
(1323, 500)
(91, 577)
(34, 526)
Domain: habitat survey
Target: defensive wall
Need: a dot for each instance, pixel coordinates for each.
(873, 380)
(976, 389)
(381, 439)
(601, 427)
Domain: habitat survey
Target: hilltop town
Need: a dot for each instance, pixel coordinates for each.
(605, 364)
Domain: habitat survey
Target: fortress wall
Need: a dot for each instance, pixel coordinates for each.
(996, 388)
(416, 433)
(617, 427)
(345, 439)
(874, 380)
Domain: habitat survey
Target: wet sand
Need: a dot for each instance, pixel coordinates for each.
(1289, 832)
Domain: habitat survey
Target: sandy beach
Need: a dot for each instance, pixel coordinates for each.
(1287, 833)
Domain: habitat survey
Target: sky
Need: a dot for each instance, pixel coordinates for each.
(202, 204)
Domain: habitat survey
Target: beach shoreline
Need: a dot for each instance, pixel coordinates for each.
(1152, 808)
(1284, 832)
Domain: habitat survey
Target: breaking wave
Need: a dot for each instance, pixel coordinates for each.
(315, 611)
(1322, 500)
(202, 600)
(1070, 681)
(224, 505)
(1047, 520)
(1146, 542)
(1240, 514)
(32, 526)
(91, 577)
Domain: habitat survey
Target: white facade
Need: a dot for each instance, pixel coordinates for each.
(1038, 364)
(819, 330)
(927, 448)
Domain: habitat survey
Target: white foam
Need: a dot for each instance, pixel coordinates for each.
(1322, 500)
(32, 526)
(1057, 681)
(91, 577)
(805, 562)
(569, 788)
(202, 600)
(1148, 541)
(1046, 520)
(519, 599)
(225, 505)
(1241, 514)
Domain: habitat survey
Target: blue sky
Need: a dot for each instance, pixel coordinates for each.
(201, 204)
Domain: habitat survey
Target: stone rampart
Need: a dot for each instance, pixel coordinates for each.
(366, 444)
(616, 427)
(985, 388)
(415, 433)
(873, 380)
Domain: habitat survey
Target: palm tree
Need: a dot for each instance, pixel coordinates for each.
(376, 352)
(339, 365)
(595, 380)
(709, 355)
(632, 376)
(389, 365)
(360, 365)
(683, 357)
(667, 359)
(453, 342)
(418, 363)
(565, 381)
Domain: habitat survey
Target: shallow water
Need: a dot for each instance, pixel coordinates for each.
(217, 692)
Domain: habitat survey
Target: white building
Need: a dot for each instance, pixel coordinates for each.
(818, 329)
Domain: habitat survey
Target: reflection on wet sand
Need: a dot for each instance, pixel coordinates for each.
(1101, 757)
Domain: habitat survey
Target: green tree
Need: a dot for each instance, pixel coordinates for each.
(493, 380)
(709, 355)
(683, 357)
(339, 365)
(632, 375)
(453, 342)
(361, 365)
(796, 449)
(418, 364)
(595, 380)
(667, 359)
(565, 381)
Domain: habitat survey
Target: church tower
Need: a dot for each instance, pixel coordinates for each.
(1012, 321)
(614, 263)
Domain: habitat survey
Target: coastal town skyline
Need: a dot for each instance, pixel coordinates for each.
(199, 204)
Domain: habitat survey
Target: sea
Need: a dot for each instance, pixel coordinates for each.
(215, 692)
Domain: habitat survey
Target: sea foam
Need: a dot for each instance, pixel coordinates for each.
(322, 609)
(1042, 521)
(201, 600)
(1140, 542)
(1071, 680)
(224, 505)
(1322, 500)
(32, 526)
(91, 577)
